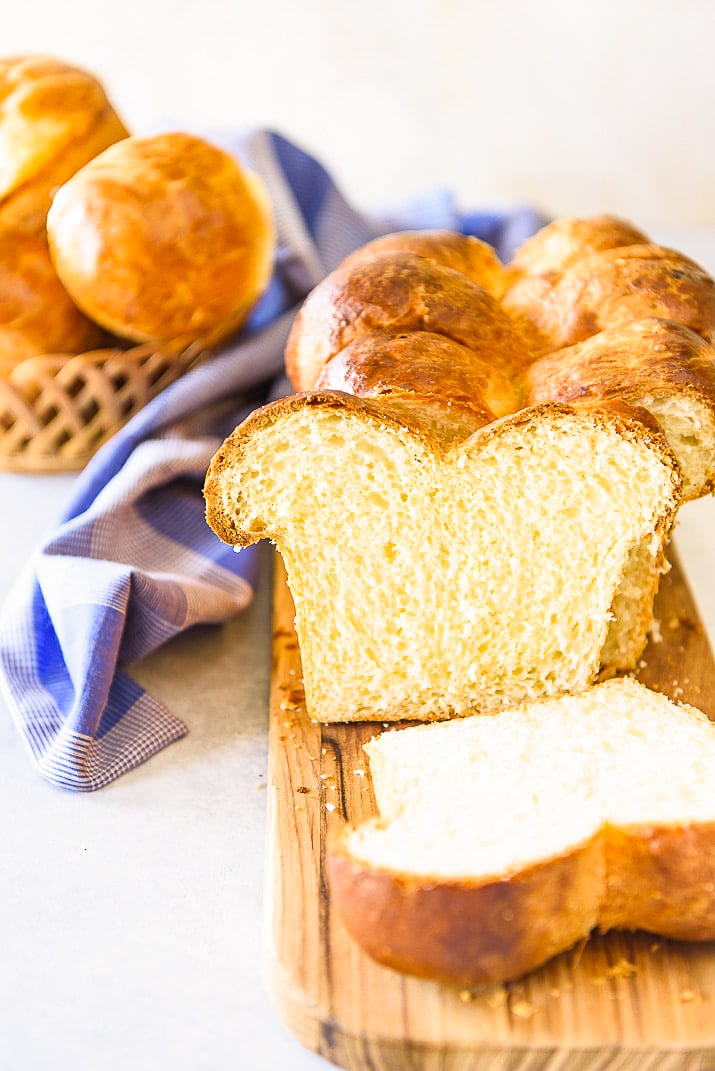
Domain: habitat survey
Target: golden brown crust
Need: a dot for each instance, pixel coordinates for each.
(401, 292)
(462, 931)
(53, 119)
(614, 288)
(577, 277)
(463, 253)
(563, 242)
(163, 238)
(651, 356)
(36, 313)
(427, 373)
(659, 878)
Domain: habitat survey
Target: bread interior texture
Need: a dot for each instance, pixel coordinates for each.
(487, 795)
(689, 426)
(429, 583)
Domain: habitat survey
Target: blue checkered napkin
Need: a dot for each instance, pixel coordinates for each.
(133, 562)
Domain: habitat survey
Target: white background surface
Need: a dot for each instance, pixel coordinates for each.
(575, 107)
(130, 920)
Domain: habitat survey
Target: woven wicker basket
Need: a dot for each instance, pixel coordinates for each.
(57, 410)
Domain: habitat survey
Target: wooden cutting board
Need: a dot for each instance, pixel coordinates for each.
(619, 1001)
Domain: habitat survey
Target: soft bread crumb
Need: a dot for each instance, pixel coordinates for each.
(605, 750)
(429, 582)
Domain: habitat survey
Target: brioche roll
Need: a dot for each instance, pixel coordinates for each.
(163, 238)
(53, 119)
(37, 314)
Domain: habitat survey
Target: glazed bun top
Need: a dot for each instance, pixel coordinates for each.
(163, 238)
(53, 119)
(37, 315)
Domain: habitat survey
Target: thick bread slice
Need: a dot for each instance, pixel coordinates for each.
(503, 840)
(432, 578)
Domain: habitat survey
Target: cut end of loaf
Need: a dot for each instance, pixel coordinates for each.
(658, 365)
(502, 840)
(431, 582)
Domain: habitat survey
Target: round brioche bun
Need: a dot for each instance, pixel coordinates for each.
(53, 119)
(163, 238)
(37, 315)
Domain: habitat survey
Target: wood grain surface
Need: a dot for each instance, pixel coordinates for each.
(632, 1002)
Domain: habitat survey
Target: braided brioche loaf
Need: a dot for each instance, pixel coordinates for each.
(472, 497)
(606, 316)
(484, 520)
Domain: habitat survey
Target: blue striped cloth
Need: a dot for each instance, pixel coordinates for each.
(132, 562)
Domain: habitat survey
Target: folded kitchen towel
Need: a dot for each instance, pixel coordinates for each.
(133, 562)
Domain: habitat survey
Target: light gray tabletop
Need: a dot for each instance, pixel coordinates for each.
(131, 918)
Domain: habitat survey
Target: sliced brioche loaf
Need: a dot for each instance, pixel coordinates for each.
(432, 578)
(503, 840)
(439, 331)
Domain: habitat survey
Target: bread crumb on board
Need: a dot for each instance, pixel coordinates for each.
(623, 969)
(523, 1009)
